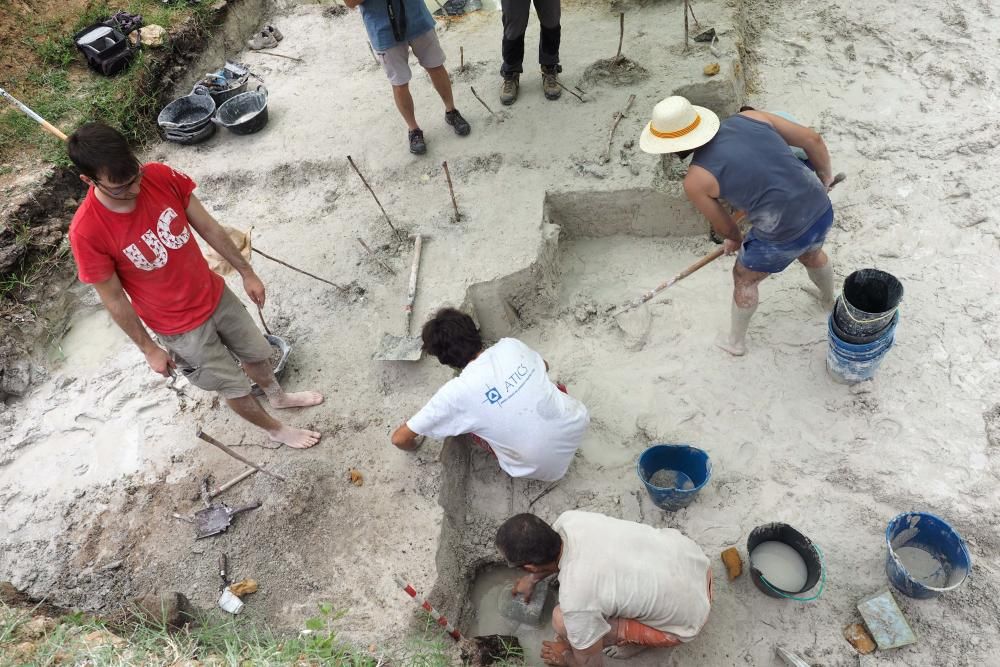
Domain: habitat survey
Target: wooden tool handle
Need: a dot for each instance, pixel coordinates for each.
(411, 293)
(707, 259)
(212, 441)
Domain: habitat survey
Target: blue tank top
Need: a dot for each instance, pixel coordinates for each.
(757, 173)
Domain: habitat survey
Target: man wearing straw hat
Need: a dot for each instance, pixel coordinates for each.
(745, 160)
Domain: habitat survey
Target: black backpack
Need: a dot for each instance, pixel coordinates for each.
(106, 48)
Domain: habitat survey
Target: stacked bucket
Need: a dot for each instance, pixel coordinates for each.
(862, 326)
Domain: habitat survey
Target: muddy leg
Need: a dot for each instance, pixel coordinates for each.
(745, 299)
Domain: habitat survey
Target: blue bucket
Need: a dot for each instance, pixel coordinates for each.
(688, 469)
(849, 363)
(941, 564)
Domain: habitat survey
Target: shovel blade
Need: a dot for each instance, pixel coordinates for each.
(399, 348)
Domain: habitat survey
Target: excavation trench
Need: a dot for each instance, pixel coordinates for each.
(597, 250)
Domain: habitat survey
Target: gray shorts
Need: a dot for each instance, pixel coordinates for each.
(205, 355)
(396, 61)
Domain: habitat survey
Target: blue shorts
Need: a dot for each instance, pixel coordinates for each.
(774, 257)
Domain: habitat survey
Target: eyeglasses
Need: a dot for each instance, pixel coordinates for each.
(121, 189)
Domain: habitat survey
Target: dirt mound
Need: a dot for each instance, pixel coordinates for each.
(616, 72)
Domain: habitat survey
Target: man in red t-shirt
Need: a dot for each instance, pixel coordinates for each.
(132, 236)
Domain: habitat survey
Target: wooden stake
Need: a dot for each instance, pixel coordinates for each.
(618, 118)
(691, 9)
(621, 37)
(295, 268)
(281, 55)
(376, 257)
(212, 441)
(461, 58)
(686, 8)
(573, 93)
(391, 226)
(474, 94)
(451, 190)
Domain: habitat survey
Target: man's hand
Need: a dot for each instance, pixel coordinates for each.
(525, 586)
(731, 247)
(254, 288)
(160, 361)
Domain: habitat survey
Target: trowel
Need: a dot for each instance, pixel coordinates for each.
(405, 347)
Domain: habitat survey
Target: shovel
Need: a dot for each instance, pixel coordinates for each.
(707, 259)
(405, 347)
(216, 519)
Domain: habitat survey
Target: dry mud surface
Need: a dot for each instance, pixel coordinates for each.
(101, 453)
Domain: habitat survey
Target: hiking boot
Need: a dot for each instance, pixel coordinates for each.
(262, 40)
(274, 32)
(508, 89)
(550, 82)
(455, 119)
(417, 145)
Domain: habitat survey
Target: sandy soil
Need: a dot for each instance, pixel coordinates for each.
(97, 458)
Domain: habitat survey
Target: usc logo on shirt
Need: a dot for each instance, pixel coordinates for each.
(158, 243)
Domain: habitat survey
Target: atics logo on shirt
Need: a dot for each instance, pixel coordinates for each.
(512, 385)
(158, 243)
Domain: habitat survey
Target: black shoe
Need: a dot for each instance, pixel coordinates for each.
(417, 145)
(455, 119)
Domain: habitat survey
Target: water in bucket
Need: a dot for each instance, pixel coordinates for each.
(922, 566)
(781, 565)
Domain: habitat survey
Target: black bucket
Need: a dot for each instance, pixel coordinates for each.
(803, 546)
(245, 113)
(868, 304)
(187, 114)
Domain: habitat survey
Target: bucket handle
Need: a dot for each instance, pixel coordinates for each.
(890, 314)
(822, 580)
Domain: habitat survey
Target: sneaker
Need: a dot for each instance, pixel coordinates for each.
(550, 82)
(417, 145)
(274, 32)
(508, 89)
(262, 40)
(455, 119)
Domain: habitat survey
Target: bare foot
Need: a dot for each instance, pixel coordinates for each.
(300, 399)
(735, 349)
(624, 652)
(554, 653)
(296, 438)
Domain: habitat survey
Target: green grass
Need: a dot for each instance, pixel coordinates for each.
(127, 101)
(233, 641)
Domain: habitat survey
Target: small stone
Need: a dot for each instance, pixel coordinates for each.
(102, 637)
(37, 627)
(859, 638)
(172, 609)
(734, 564)
(22, 653)
(16, 378)
(712, 69)
(153, 36)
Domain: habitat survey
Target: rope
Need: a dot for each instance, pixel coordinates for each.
(822, 582)
(889, 313)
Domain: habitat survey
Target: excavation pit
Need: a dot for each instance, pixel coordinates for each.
(598, 250)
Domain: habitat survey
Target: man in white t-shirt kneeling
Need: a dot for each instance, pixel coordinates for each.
(623, 586)
(503, 397)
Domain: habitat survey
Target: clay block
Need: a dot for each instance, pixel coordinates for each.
(859, 638)
(734, 564)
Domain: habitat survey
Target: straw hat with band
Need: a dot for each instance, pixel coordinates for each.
(678, 125)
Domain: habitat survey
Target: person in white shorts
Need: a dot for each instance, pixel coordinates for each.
(503, 397)
(395, 27)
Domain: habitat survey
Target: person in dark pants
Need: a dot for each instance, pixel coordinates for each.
(515, 22)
